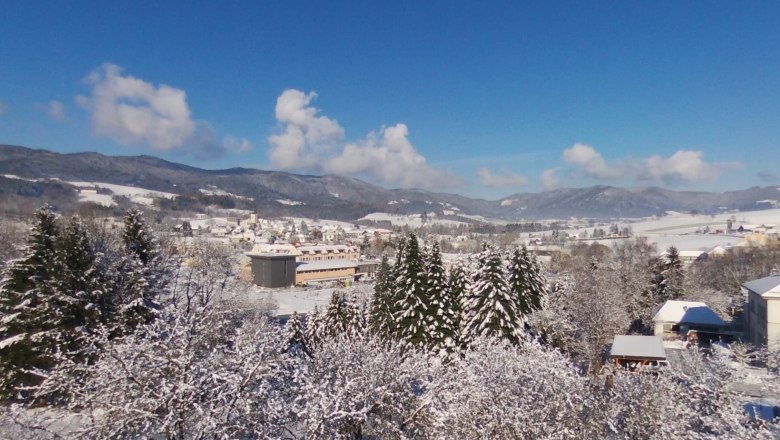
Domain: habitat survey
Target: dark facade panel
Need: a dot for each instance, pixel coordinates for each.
(273, 270)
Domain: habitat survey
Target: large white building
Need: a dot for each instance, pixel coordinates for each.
(762, 314)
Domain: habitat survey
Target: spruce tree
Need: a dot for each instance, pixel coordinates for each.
(490, 308)
(314, 327)
(27, 324)
(141, 275)
(442, 314)
(342, 317)
(526, 281)
(412, 304)
(295, 334)
(668, 279)
(380, 319)
(79, 287)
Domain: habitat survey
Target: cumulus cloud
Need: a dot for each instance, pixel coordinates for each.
(305, 135)
(56, 110)
(132, 111)
(502, 178)
(591, 163)
(683, 167)
(550, 180)
(313, 142)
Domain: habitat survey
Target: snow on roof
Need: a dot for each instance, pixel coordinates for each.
(325, 265)
(768, 286)
(633, 346)
(690, 312)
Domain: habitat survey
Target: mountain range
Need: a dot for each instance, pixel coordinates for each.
(31, 173)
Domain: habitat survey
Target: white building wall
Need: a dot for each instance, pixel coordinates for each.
(773, 321)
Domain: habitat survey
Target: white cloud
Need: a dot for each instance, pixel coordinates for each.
(312, 142)
(132, 111)
(591, 163)
(683, 167)
(305, 135)
(550, 180)
(500, 179)
(56, 110)
(390, 158)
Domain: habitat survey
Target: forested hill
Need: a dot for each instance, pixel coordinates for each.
(330, 196)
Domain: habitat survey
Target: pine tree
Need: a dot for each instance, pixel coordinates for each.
(343, 317)
(380, 318)
(526, 281)
(27, 342)
(295, 334)
(141, 274)
(314, 327)
(412, 304)
(441, 319)
(137, 237)
(490, 308)
(79, 288)
(668, 279)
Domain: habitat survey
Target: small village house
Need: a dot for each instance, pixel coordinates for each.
(762, 313)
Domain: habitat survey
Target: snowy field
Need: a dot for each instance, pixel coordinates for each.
(137, 195)
(679, 229)
(411, 220)
(301, 299)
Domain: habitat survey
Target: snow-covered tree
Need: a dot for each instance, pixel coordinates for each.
(314, 331)
(27, 324)
(491, 309)
(412, 305)
(363, 388)
(503, 390)
(526, 281)
(342, 317)
(138, 238)
(442, 318)
(669, 276)
(380, 316)
(196, 372)
(295, 333)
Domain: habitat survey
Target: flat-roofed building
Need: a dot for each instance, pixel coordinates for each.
(273, 270)
(679, 318)
(634, 351)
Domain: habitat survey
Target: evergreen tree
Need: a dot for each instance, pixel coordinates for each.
(412, 304)
(442, 316)
(137, 237)
(380, 319)
(295, 334)
(526, 281)
(343, 317)
(79, 288)
(314, 327)
(27, 340)
(490, 308)
(141, 274)
(668, 279)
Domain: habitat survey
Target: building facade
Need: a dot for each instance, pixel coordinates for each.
(762, 313)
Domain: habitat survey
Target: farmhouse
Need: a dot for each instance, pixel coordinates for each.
(683, 318)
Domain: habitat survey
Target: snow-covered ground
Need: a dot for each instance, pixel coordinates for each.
(214, 191)
(290, 202)
(141, 196)
(411, 220)
(100, 199)
(301, 299)
(679, 229)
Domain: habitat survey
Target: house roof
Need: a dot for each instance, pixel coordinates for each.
(688, 312)
(766, 287)
(633, 346)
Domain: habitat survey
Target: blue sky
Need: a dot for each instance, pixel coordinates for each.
(480, 99)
